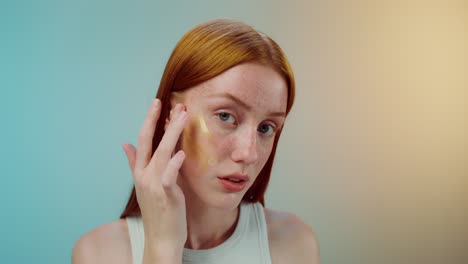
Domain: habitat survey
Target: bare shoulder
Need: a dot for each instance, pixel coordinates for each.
(290, 239)
(108, 243)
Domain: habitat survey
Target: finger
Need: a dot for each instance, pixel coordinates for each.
(145, 139)
(168, 142)
(169, 177)
(130, 152)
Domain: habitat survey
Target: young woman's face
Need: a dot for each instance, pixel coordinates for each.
(233, 120)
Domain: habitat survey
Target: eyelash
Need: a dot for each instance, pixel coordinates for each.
(273, 130)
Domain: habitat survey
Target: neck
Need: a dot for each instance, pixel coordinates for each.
(207, 226)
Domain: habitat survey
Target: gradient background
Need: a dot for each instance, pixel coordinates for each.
(373, 156)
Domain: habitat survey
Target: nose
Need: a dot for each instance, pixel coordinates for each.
(245, 150)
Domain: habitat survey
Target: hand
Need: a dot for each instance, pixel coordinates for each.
(161, 200)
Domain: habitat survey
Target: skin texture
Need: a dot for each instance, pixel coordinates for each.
(221, 136)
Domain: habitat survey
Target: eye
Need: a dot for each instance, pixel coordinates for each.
(266, 129)
(226, 117)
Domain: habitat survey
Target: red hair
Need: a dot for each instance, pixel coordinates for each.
(204, 52)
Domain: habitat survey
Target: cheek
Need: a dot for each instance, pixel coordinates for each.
(206, 145)
(224, 143)
(200, 145)
(220, 139)
(263, 151)
(222, 146)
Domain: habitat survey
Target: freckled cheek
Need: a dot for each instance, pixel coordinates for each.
(222, 144)
(217, 144)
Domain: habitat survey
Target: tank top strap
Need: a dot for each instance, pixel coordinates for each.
(137, 237)
(261, 231)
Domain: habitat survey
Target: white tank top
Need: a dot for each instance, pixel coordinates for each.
(247, 244)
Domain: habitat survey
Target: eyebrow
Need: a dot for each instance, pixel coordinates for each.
(243, 104)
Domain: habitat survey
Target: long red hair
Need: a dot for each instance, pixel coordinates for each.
(204, 52)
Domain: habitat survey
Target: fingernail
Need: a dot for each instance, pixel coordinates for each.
(178, 107)
(182, 115)
(177, 110)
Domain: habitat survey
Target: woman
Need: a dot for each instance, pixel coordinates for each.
(204, 159)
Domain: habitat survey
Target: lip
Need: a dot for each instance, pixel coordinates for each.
(236, 176)
(234, 186)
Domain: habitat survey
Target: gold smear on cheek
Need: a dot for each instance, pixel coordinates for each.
(207, 138)
(195, 139)
(188, 140)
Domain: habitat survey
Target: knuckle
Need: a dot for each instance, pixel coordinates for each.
(165, 183)
(156, 191)
(142, 180)
(138, 173)
(140, 184)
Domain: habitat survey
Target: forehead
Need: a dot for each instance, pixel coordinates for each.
(258, 86)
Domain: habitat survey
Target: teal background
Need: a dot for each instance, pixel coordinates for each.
(373, 156)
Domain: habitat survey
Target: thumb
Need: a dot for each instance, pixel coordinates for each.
(130, 151)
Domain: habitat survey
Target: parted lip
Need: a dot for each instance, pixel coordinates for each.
(236, 176)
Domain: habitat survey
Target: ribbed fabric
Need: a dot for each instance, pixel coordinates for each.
(247, 244)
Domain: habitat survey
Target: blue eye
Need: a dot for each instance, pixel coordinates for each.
(226, 117)
(266, 129)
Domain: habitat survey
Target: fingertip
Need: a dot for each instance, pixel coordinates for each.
(180, 107)
(183, 116)
(129, 150)
(156, 103)
(127, 146)
(181, 154)
(130, 147)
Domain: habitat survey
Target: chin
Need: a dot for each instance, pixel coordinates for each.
(211, 196)
(223, 201)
